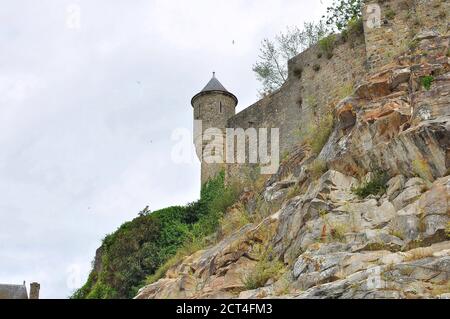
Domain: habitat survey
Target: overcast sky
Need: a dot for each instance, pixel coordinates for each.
(87, 111)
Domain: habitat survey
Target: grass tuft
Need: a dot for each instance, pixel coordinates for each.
(266, 268)
(376, 186)
(427, 81)
(327, 45)
(319, 132)
(317, 168)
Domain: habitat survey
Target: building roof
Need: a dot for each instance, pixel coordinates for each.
(13, 292)
(214, 85)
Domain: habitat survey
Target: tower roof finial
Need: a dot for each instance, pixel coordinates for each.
(214, 86)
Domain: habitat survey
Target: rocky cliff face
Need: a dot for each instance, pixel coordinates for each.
(391, 243)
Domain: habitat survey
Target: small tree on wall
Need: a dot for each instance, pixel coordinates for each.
(341, 12)
(271, 68)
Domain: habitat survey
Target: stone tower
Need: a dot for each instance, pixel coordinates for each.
(213, 106)
(34, 290)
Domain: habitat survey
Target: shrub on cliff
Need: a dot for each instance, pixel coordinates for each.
(427, 81)
(317, 168)
(327, 45)
(138, 249)
(319, 132)
(266, 268)
(377, 185)
(236, 218)
(353, 31)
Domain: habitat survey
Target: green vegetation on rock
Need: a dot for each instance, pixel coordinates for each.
(376, 185)
(317, 168)
(427, 81)
(147, 245)
(327, 45)
(319, 132)
(341, 12)
(266, 268)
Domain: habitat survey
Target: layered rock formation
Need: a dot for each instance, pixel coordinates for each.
(333, 243)
(334, 246)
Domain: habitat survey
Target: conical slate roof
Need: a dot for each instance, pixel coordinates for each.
(214, 85)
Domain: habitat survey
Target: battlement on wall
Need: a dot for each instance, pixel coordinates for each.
(318, 81)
